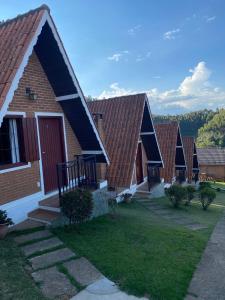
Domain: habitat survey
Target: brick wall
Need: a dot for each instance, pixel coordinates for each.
(21, 183)
(217, 172)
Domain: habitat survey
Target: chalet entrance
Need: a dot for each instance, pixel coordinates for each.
(139, 165)
(52, 149)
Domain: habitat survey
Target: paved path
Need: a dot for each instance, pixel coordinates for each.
(208, 282)
(61, 274)
(169, 214)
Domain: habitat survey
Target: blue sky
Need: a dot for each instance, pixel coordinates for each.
(173, 50)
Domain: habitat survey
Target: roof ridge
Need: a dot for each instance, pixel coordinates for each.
(118, 97)
(20, 16)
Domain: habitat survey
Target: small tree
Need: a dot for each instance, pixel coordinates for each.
(190, 193)
(176, 193)
(77, 206)
(207, 196)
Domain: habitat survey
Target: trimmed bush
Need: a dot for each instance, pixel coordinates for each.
(190, 193)
(204, 184)
(77, 206)
(176, 193)
(207, 195)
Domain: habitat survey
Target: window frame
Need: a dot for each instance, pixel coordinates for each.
(18, 165)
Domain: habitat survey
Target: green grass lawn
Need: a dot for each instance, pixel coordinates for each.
(15, 283)
(217, 184)
(144, 253)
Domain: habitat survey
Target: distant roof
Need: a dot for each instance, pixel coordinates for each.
(167, 137)
(124, 118)
(211, 156)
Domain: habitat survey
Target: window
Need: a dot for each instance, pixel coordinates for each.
(11, 142)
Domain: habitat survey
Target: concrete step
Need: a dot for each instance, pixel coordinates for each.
(44, 216)
(50, 204)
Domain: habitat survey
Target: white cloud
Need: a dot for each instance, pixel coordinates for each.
(134, 30)
(117, 56)
(115, 91)
(141, 57)
(193, 93)
(210, 19)
(171, 35)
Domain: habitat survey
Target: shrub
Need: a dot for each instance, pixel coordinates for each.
(77, 206)
(176, 193)
(204, 184)
(190, 193)
(4, 218)
(126, 197)
(207, 196)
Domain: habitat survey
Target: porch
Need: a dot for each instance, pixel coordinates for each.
(153, 179)
(180, 174)
(83, 172)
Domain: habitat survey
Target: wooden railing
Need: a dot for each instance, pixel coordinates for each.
(80, 172)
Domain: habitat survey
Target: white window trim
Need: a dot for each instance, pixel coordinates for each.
(26, 165)
(49, 114)
(16, 113)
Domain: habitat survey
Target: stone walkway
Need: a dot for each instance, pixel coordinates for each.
(168, 213)
(208, 282)
(61, 274)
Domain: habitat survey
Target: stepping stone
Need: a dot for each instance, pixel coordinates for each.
(48, 259)
(103, 286)
(32, 236)
(83, 271)
(195, 226)
(54, 284)
(41, 246)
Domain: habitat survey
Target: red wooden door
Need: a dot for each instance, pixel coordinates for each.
(52, 150)
(139, 167)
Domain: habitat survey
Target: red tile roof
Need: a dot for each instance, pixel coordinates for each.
(167, 138)
(188, 143)
(122, 118)
(15, 36)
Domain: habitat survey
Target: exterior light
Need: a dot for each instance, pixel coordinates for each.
(30, 94)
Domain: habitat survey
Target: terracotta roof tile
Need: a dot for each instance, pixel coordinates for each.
(167, 138)
(15, 36)
(188, 143)
(122, 117)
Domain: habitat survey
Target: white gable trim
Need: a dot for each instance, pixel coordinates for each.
(148, 133)
(9, 97)
(19, 73)
(75, 81)
(67, 97)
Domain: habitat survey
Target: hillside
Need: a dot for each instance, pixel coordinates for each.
(213, 132)
(190, 123)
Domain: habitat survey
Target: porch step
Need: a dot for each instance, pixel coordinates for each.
(44, 216)
(50, 204)
(143, 192)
